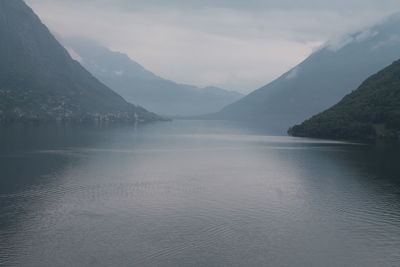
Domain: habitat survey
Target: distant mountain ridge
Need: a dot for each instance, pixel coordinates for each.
(321, 80)
(372, 111)
(39, 80)
(134, 82)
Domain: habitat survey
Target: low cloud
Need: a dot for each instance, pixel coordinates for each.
(74, 54)
(294, 73)
(392, 40)
(338, 43)
(220, 43)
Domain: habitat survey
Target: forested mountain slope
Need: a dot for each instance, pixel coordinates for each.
(321, 80)
(371, 111)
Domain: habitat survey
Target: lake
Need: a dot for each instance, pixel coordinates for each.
(195, 193)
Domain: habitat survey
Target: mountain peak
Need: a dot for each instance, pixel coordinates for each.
(133, 81)
(321, 80)
(40, 81)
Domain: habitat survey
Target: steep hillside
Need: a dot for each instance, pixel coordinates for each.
(321, 80)
(135, 83)
(372, 111)
(40, 81)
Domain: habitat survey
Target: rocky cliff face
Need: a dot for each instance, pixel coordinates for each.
(40, 81)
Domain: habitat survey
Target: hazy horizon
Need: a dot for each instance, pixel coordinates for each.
(121, 145)
(213, 43)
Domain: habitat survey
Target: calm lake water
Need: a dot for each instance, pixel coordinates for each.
(195, 193)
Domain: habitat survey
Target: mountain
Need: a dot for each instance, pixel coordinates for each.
(321, 80)
(371, 111)
(40, 81)
(135, 83)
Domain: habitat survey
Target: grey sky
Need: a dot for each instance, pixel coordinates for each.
(238, 45)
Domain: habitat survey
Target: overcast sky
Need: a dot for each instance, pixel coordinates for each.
(235, 44)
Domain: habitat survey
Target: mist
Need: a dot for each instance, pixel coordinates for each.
(230, 44)
(199, 133)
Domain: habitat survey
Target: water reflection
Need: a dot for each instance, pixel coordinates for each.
(194, 193)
